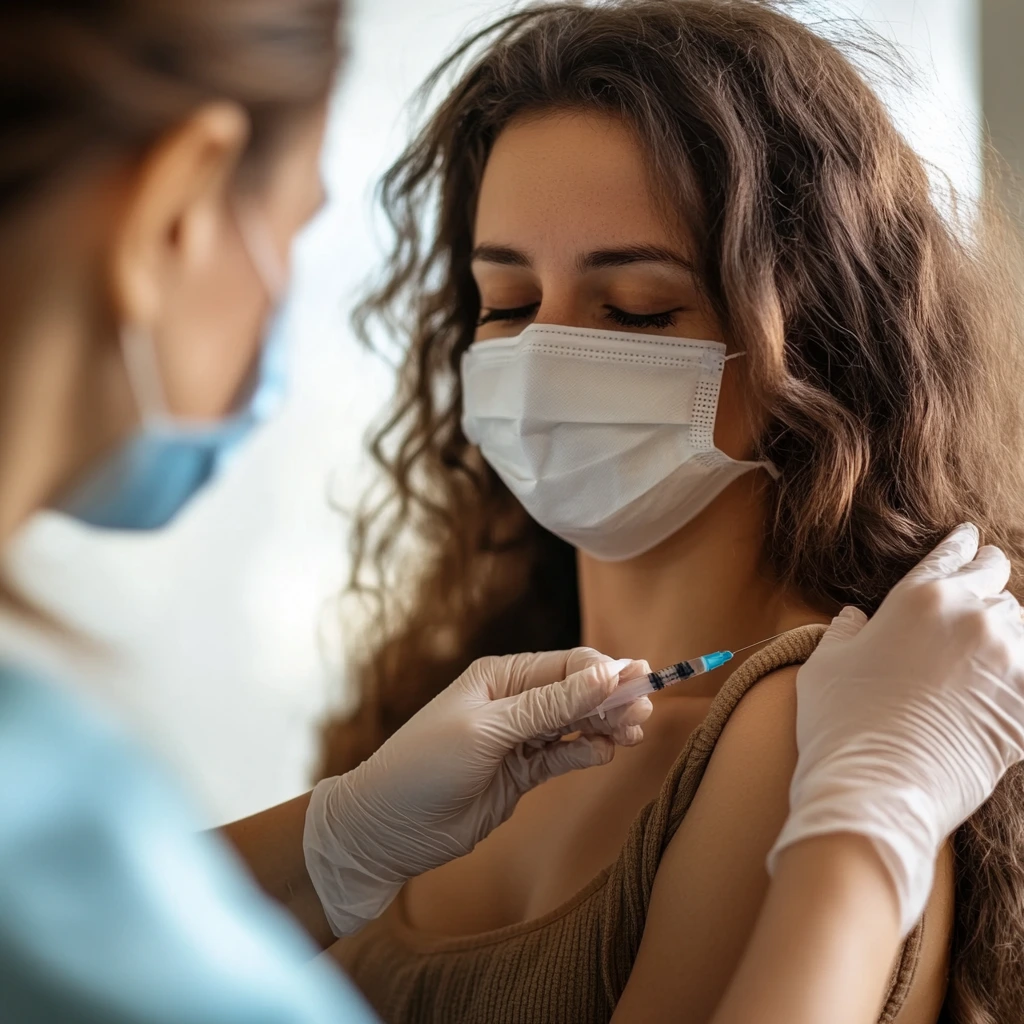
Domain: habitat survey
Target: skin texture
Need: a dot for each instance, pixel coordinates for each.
(558, 187)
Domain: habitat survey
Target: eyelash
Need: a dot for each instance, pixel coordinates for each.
(657, 320)
(618, 316)
(518, 313)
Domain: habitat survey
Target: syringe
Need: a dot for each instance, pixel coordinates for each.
(641, 686)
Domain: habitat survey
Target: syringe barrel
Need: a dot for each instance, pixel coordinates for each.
(677, 673)
(626, 693)
(634, 689)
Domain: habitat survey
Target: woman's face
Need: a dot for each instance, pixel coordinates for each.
(567, 232)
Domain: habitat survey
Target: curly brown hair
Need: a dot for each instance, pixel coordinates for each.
(883, 347)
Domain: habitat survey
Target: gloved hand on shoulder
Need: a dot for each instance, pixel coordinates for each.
(906, 722)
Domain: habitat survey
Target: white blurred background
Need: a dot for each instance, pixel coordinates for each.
(224, 646)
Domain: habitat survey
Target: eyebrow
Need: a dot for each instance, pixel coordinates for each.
(503, 255)
(598, 259)
(601, 259)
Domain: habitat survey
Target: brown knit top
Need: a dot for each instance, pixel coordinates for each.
(572, 964)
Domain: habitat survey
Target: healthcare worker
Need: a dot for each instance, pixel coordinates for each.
(156, 159)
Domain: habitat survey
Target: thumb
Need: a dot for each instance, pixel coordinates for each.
(547, 709)
(844, 627)
(584, 752)
(581, 658)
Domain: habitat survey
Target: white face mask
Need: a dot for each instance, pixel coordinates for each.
(606, 437)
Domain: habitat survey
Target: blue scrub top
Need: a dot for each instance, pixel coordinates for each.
(114, 908)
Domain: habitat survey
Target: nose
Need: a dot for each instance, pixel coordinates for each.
(562, 308)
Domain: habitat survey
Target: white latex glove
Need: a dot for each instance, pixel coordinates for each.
(455, 771)
(906, 722)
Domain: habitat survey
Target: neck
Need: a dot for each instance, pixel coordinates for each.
(63, 398)
(33, 426)
(704, 589)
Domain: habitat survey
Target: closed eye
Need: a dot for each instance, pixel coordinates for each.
(490, 316)
(657, 321)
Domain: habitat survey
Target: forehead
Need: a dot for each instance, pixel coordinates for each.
(572, 181)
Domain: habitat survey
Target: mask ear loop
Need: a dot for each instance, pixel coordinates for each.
(138, 350)
(767, 466)
(263, 253)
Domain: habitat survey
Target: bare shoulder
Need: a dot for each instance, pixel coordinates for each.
(748, 776)
(712, 881)
(762, 729)
(761, 737)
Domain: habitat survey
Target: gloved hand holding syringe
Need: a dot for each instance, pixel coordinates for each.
(456, 770)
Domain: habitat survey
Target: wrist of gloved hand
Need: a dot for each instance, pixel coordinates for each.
(341, 842)
(899, 818)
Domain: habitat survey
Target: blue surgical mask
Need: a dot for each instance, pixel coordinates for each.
(154, 474)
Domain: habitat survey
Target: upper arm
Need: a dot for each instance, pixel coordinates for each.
(712, 880)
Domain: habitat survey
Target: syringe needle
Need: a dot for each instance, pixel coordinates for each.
(757, 643)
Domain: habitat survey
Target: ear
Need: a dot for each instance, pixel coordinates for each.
(174, 210)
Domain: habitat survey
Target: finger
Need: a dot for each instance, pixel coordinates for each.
(617, 723)
(516, 673)
(623, 734)
(1008, 610)
(1006, 599)
(585, 752)
(629, 714)
(548, 709)
(950, 555)
(628, 736)
(987, 575)
(844, 627)
(512, 674)
(623, 725)
(536, 766)
(586, 657)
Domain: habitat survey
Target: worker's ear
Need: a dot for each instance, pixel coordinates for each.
(177, 211)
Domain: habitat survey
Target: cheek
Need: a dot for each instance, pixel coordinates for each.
(212, 339)
(734, 431)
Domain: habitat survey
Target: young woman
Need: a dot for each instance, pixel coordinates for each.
(694, 360)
